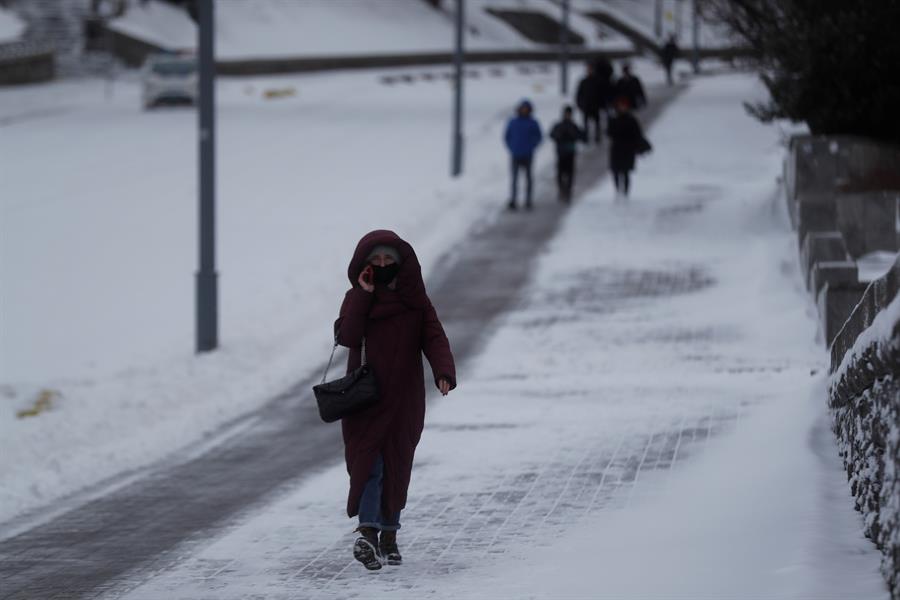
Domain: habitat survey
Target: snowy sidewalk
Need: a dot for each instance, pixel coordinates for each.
(647, 421)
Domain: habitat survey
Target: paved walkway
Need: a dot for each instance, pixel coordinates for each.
(622, 355)
(623, 346)
(113, 542)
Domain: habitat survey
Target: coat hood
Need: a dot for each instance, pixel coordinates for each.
(409, 280)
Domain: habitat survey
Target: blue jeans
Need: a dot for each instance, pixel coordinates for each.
(522, 163)
(370, 502)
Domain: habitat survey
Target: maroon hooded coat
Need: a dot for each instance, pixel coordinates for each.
(398, 326)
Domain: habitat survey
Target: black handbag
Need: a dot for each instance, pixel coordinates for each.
(354, 392)
(643, 146)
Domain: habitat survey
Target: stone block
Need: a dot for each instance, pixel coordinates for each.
(834, 273)
(820, 166)
(815, 212)
(878, 294)
(821, 246)
(868, 221)
(836, 303)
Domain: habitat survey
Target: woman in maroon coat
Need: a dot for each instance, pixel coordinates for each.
(388, 310)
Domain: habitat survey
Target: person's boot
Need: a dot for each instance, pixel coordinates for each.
(387, 545)
(365, 548)
(512, 205)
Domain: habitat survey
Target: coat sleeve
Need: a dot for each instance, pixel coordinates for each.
(350, 327)
(641, 97)
(507, 136)
(555, 132)
(436, 347)
(580, 100)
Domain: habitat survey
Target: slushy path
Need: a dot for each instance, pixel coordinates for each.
(115, 541)
(647, 419)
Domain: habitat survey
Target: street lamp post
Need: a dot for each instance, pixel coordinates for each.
(459, 64)
(695, 37)
(207, 318)
(564, 50)
(657, 19)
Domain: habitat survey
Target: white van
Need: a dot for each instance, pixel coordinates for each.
(169, 79)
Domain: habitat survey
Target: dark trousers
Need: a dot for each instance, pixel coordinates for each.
(622, 181)
(593, 117)
(521, 164)
(565, 174)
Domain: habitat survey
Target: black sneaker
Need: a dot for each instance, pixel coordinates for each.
(387, 546)
(512, 206)
(365, 548)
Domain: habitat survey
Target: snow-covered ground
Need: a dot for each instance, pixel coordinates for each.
(648, 422)
(875, 264)
(273, 28)
(11, 26)
(98, 248)
(676, 19)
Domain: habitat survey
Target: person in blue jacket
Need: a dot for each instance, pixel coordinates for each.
(523, 135)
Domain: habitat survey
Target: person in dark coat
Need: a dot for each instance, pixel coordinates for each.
(566, 134)
(593, 94)
(627, 142)
(668, 54)
(522, 137)
(630, 86)
(388, 309)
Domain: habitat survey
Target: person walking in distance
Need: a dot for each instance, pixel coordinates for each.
(566, 134)
(630, 86)
(668, 54)
(523, 136)
(592, 96)
(387, 320)
(627, 142)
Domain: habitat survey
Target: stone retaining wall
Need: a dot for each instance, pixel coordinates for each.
(843, 196)
(864, 398)
(23, 62)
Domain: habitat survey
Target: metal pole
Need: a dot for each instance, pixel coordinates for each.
(657, 20)
(458, 61)
(679, 6)
(207, 323)
(564, 50)
(695, 37)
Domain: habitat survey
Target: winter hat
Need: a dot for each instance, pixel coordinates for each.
(382, 249)
(525, 103)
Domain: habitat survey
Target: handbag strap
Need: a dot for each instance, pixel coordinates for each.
(331, 358)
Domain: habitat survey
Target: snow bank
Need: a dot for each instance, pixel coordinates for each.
(158, 23)
(254, 29)
(875, 264)
(676, 20)
(267, 28)
(11, 27)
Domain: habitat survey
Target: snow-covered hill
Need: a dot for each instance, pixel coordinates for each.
(11, 26)
(268, 28)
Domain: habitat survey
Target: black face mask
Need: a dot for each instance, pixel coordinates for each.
(386, 274)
